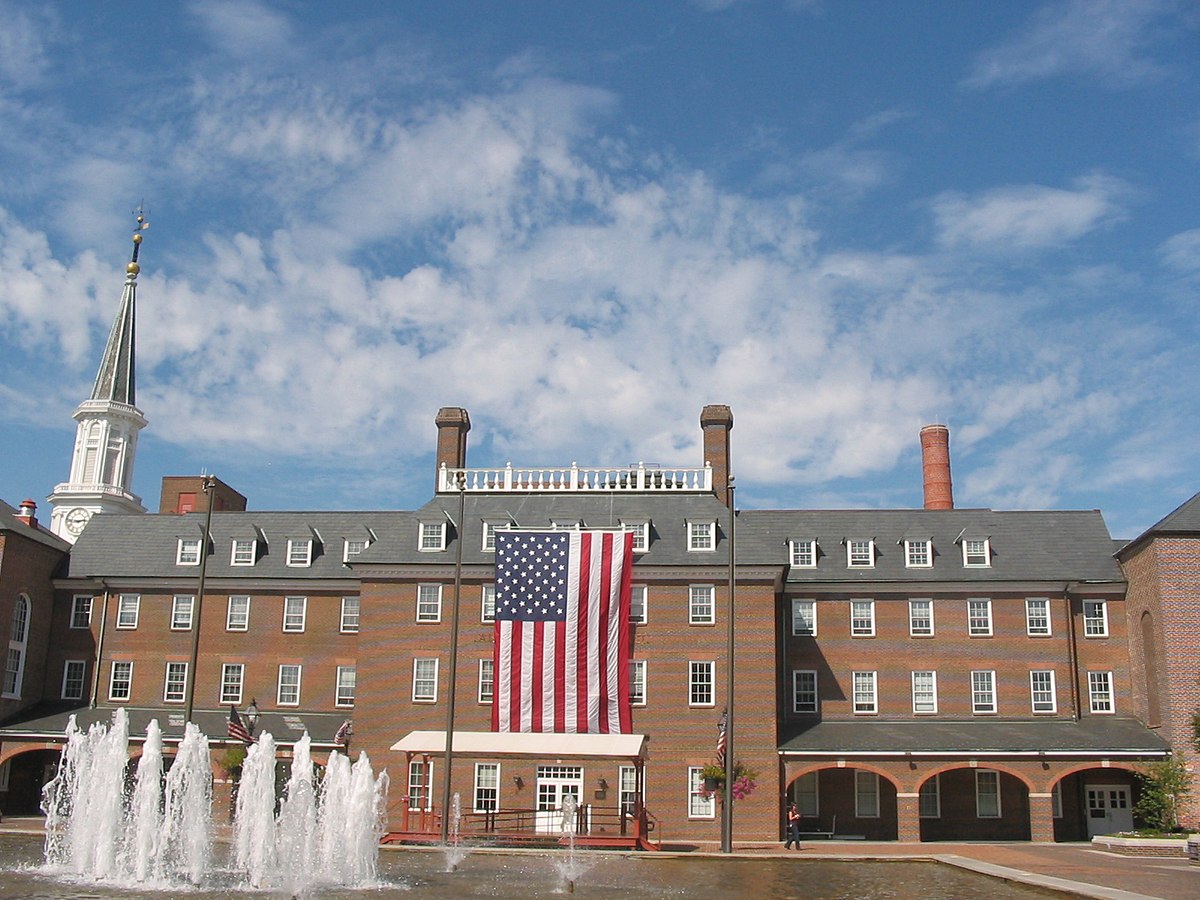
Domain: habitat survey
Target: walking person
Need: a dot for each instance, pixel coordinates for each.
(793, 827)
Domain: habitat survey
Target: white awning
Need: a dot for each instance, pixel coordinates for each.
(491, 743)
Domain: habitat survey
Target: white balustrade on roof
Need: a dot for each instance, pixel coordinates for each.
(557, 479)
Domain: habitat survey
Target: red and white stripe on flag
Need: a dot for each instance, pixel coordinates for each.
(562, 632)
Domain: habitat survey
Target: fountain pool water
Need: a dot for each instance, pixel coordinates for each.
(455, 851)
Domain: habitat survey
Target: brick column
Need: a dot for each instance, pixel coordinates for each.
(716, 422)
(1041, 818)
(908, 818)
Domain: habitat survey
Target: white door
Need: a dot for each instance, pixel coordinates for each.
(554, 784)
(1108, 809)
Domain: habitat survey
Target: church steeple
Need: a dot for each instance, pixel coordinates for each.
(109, 422)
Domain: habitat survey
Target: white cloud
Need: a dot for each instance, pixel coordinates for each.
(23, 57)
(1182, 251)
(244, 29)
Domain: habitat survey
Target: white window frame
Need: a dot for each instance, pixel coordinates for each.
(299, 553)
(627, 789)
(280, 684)
(987, 786)
(79, 666)
(860, 554)
(915, 617)
(352, 547)
(983, 686)
(702, 804)
(701, 536)
(804, 617)
(866, 794)
(180, 671)
(639, 595)
(243, 558)
(128, 609)
(701, 682)
(486, 792)
(1043, 697)
(127, 668)
(1037, 624)
(182, 614)
(487, 603)
(81, 611)
(420, 784)
(350, 614)
(228, 695)
(431, 537)
(486, 686)
(977, 553)
(1095, 625)
(974, 630)
(918, 554)
(802, 554)
(429, 602)
(924, 696)
(345, 686)
(187, 552)
(806, 794)
(290, 625)
(426, 695)
(702, 597)
(1101, 696)
(641, 533)
(1056, 804)
(237, 614)
(805, 695)
(929, 798)
(865, 693)
(637, 682)
(862, 617)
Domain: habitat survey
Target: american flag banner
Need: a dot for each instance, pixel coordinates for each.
(236, 729)
(344, 733)
(721, 726)
(562, 632)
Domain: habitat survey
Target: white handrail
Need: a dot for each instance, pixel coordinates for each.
(575, 478)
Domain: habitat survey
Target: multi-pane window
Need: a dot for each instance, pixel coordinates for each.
(920, 618)
(804, 554)
(701, 536)
(1095, 618)
(433, 536)
(700, 683)
(924, 692)
(487, 680)
(638, 595)
(487, 603)
(120, 681)
(804, 691)
(637, 682)
(929, 800)
(237, 614)
(350, 607)
(294, 610)
(918, 554)
(983, 691)
(176, 682)
(81, 611)
(127, 610)
(188, 552)
(1100, 691)
(487, 787)
(425, 680)
(14, 666)
(243, 552)
(1041, 691)
(860, 554)
(353, 547)
(976, 553)
(299, 551)
(1037, 616)
(231, 683)
(701, 604)
(628, 789)
(806, 794)
(979, 617)
(804, 617)
(641, 535)
(489, 535)
(347, 678)
(74, 676)
(429, 603)
(987, 793)
(865, 697)
(866, 794)
(702, 804)
(862, 618)
(420, 784)
(181, 612)
(289, 686)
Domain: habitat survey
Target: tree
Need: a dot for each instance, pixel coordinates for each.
(1165, 786)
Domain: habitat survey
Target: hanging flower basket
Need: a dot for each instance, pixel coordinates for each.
(745, 780)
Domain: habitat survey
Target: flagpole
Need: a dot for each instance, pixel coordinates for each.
(208, 484)
(458, 552)
(727, 811)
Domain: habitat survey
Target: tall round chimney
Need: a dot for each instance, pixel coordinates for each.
(935, 464)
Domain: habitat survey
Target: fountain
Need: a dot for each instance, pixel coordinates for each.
(157, 832)
(572, 867)
(455, 852)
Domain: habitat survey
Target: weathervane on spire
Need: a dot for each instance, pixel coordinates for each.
(133, 268)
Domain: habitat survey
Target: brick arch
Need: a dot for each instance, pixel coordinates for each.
(998, 767)
(14, 750)
(890, 777)
(1074, 768)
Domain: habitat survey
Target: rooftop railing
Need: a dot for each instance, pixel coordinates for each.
(640, 478)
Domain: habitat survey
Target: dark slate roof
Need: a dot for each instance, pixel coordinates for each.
(1067, 545)
(1184, 520)
(1094, 734)
(10, 522)
(50, 721)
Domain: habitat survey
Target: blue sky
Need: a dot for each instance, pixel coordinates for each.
(584, 222)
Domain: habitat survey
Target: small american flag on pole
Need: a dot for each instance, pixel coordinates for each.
(561, 654)
(721, 737)
(237, 730)
(343, 734)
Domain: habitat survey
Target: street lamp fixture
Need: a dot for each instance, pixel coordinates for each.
(252, 714)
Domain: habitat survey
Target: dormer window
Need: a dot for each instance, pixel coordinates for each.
(641, 534)
(701, 536)
(433, 537)
(489, 533)
(244, 552)
(860, 554)
(188, 553)
(918, 554)
(803, 554)
(977, 553)
(299, 552)
(353, 547)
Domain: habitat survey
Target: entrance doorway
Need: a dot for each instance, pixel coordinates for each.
(554, 784)
(1108, 808)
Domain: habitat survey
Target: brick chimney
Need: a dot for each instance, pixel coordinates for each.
(935, 464)
(453, 423)
(27, 513)
(716, 422)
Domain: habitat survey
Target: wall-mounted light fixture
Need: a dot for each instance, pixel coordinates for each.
(603, 784)
(518, 781)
